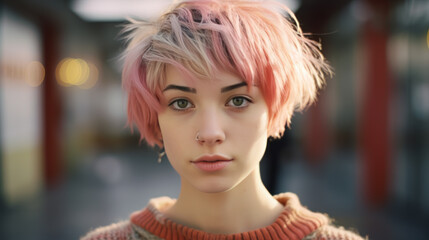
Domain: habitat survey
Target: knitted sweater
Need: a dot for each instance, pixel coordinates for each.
(294, 223)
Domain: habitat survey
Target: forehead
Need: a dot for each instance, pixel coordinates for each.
(173, 75)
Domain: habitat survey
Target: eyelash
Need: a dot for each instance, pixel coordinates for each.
(176, 108)
(246, 101)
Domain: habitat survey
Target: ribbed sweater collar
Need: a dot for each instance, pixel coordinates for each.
(295, 222)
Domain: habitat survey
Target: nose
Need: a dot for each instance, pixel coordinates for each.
(211, 130)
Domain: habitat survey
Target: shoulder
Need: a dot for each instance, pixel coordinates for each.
(329, 232)
(324, 229)
(117, 231)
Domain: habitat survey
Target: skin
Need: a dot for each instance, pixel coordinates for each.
(231, 121)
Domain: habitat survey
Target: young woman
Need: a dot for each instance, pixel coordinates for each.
(210, 81)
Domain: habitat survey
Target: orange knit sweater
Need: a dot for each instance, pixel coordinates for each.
(294, 223)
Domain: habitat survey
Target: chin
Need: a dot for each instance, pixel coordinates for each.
(214, 186)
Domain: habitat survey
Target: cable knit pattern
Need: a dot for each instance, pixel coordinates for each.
(117, 231)
(332, 233)
(294, 223)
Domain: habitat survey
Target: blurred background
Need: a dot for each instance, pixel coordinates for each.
(69, 164)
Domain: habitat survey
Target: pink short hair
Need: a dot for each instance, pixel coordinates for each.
(252, 39)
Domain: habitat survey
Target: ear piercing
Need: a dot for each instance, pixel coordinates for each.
(161, 153)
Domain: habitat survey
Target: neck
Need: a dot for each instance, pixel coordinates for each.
(245, 207)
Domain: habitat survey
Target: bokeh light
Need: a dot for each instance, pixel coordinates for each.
(92, 79)
(76, 72)
(34, 73)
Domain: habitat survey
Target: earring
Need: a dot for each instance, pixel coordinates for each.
(161, 153)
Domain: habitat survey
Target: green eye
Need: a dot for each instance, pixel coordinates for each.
(180, 104)
(238, 102)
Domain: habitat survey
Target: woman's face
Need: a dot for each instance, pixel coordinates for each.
(231, 124)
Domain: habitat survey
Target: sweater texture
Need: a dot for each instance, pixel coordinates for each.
(294, 223)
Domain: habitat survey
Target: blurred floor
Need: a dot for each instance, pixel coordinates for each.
(114, 185)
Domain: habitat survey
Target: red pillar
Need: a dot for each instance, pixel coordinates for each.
(316, 135)
(53, 167)
(374, 123)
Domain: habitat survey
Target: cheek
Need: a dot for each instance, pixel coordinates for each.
(251, 133)
(168, 132)
(174, 134)
(256, 122)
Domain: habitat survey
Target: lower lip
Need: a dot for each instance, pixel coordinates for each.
(211, 166)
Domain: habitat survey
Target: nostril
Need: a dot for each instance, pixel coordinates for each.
(210, 138)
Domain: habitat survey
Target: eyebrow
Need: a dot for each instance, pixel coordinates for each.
(232, 87)
(181, 88)
(193, 90)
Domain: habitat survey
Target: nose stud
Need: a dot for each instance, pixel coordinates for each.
(209, 139)
(197, 138)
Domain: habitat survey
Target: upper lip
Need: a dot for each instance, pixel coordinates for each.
(212, 158)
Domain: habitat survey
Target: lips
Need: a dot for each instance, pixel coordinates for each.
(212, 163)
